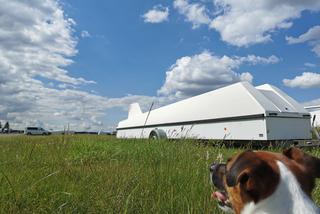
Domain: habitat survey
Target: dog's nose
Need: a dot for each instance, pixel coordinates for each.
(217, 171)
(213, 167)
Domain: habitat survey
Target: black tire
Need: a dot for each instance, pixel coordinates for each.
(157, 134)
(153, 136)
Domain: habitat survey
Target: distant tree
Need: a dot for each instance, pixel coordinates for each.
(0, 127)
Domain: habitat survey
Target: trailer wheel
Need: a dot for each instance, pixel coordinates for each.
(157, 134)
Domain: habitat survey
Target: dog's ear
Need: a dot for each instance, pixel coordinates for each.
(310, 162)
(252, 174)
(239, 165)
(294, 154)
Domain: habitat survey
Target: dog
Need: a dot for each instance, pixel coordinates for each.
(262, 182)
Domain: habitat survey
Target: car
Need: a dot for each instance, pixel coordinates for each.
(36, 131)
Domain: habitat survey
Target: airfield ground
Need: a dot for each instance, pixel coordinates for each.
(102, 174)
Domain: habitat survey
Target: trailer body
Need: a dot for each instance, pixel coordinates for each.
(236, 112)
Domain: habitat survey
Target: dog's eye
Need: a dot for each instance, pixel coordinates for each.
(229, 159)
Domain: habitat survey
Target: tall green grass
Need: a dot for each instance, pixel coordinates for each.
(101, 174)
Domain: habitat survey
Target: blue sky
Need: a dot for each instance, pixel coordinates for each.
(125, 55)
(144, 51)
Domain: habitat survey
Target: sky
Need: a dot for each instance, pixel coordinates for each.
(83, 62)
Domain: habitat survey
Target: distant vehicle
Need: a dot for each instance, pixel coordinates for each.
(315, 119)
(36, 131)
(315, 115)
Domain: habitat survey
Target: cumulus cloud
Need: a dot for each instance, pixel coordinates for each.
(37, 41)
(243, 22)
(157, 15)
(312, 36)
(306, 80)
(194, 12)
(192, 75)
(37, 44)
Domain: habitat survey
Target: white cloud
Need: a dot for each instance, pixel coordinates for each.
(200, 73)
(314, 102)
(306, 80)
(311, 65)
(243, 22)
(194, 12)
(85, 34)
(254, 60)
(312, 36)
(157, 15)
(38, 42)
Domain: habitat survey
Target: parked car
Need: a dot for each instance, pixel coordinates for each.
(36, 131)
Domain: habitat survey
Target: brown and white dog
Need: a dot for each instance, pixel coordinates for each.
(263, 182)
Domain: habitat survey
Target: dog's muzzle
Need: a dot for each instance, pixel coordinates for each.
(217, 174)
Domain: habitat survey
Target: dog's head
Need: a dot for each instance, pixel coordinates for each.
(253, 176)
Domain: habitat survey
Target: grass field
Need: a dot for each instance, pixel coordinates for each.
(101, 174)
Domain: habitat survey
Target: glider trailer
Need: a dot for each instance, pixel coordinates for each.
(238, 112)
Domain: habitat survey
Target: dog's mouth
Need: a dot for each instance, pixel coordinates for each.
(222, 198)
(217, 173)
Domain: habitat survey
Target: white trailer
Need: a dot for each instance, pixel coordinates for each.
(236, 112)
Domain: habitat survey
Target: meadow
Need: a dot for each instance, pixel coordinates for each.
(102, 174)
